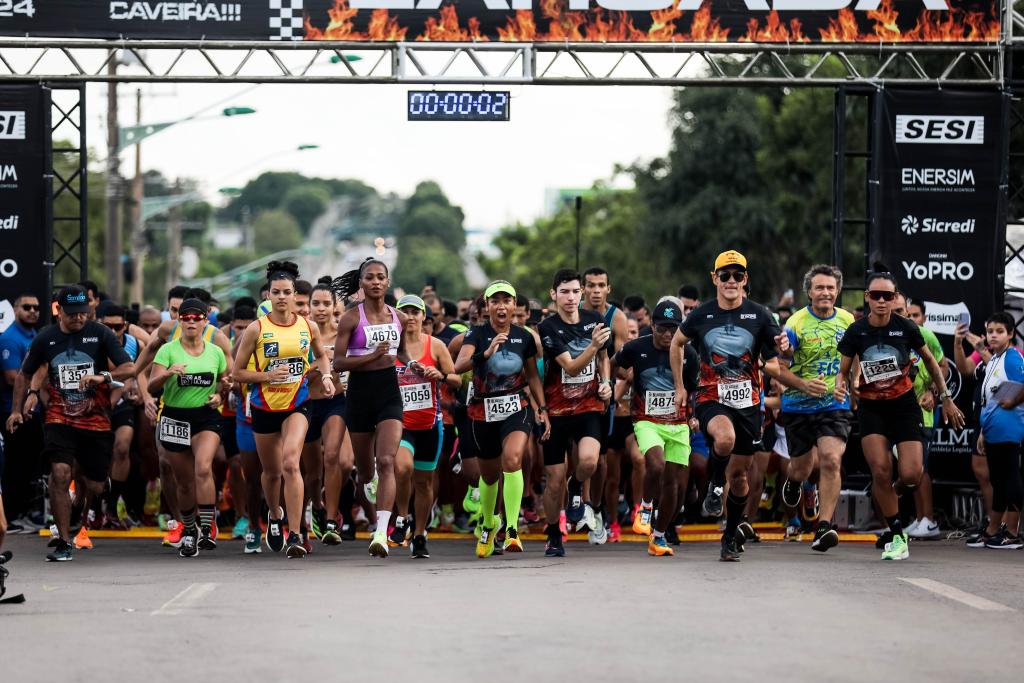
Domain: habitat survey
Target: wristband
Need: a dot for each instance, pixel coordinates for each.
(542, 409)
(33, 391)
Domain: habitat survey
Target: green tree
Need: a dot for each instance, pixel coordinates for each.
(275, 231)
(306, 203)
(428, 213)
(421, 259)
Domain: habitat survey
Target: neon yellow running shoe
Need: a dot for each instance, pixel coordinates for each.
(485, 546)
(471, 502)
(897, 549)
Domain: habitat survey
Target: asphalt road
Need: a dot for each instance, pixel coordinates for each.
(131, 610)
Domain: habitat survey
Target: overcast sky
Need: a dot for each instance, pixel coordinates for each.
(498, 172)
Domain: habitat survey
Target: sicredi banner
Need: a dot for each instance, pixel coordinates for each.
(940, 215)
(23, 233)
(620, 21)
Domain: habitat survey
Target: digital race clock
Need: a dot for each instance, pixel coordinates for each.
(458, 105)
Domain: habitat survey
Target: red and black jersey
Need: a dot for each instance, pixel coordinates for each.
(885, 356)
(729, 344)
(569, 394)
(503, 374)
(654, 389)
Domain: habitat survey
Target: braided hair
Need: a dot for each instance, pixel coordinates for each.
(282, 270)
(348, 284)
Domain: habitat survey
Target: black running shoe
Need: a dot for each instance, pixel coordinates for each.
(397, 536)
(671, 535)
(730, 550)
(749, 534)
(883, 539)
(206, 541)
(331, 535)
(189, 543)
(574, 512)
(275, 534)
(824, 538)
(499, 542)
(791, 491)
(319, 526)
(61, 552)
(554, 547)
(295, 548)
(348, 532)
(419, 548)
(713, 501)
(740, 539)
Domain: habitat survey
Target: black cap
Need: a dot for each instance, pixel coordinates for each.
(73, 299)
(667, 312)
(193, 306)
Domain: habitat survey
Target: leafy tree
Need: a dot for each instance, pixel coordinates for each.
(276, 231)
(421, 259)
(428, 213)
(306, 203)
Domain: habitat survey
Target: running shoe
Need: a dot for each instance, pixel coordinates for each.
(979, 539)
(295, 548)
(418, 548)
(397, 536)
(206, 539)
(499, 539)
(164, 522)
(658, 547)
(471, 501)
(642, 521)
(189, 544)
(370, 490)
(730, 551)
(897, 549)
(615, 532)
(825, 537)
(61, 553)
(589, 520)
(912, 527)
(318, 523)
(512, 543)
(598, 535)
(16, 527)
(379, 544)
(112, 523)
(447, 517)
(809, 502)
(794, 530)
(576, 510)
(54, 537)
(275, 534)
(253, 542)
(461, 524)
(485, 546)
(554, 547)
(331, 535)
(241, 528)
(82, 540)
(306, 543)
(531, 517)
(1004, 541)
(791, 493)
(348, 532)
(883, 539)
(713, 501)
(925, 529)
(671, 535)
(749, 534)
(563, 525)
(175, 529)
(740, 539)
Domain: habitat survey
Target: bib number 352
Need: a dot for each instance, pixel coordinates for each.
(71, 375)
(497, 408)
(736, 394)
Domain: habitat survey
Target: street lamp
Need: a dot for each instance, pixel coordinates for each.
(133, 135)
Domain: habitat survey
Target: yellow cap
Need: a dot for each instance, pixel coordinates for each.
(730, 258)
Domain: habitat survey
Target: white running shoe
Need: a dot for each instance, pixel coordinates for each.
(925, 528)
(589, 520)
(912, 527)
(370, 489)
(598, 535)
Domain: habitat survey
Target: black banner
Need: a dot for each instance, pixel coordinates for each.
(940, 221)
(24, 131)
(619, 21)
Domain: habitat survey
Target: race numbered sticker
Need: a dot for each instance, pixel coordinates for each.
(417, 396)
(296, 369)
(660, 402)
(585, 377)
(497, 408)
(736, 394)
(71, 375)
(175, 431)
(378, 334)
(880, 369)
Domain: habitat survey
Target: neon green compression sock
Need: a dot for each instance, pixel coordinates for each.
(513, 497)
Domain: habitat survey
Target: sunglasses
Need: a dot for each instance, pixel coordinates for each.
(116, 327)
(192, 318)
(878, 295)
(666, 328)
(30, 307)
(727, 275)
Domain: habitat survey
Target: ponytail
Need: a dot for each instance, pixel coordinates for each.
(324, 285)
(348, 284)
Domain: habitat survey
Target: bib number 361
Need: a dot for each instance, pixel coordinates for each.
(498, 408)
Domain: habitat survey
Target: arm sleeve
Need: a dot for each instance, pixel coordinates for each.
(933, 345)
(624, 358)
(914, 336)
(1014, 366)
(846, 345)
(688, 327)
(794, 340)
(554, 345)
(163, 356)
(10, 359)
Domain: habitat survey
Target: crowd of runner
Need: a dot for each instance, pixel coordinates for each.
(317, 410)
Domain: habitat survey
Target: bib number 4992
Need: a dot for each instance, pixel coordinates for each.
(736, 394)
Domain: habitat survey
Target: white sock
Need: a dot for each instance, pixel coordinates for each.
(382, 521)
(399, 520)
(647, 504)
(659, 534)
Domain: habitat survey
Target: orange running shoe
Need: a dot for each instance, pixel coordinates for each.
(512, 543)
(175, 530)
(615, 532)
(658, 547)
(82, 540)
(563, 526)
(642, 521)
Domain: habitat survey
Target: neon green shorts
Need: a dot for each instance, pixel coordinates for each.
(673, 439)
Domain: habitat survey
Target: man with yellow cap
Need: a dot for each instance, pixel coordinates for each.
(732, 335)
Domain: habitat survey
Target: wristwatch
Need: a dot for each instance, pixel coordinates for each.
(944, 395)
(107, 377)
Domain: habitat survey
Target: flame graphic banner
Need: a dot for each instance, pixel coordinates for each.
(583, 21)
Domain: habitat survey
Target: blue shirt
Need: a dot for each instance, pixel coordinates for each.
(14, 343)
(999, 425)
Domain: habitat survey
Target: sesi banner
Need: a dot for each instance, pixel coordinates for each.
(940, 223)
(624, 21)
(23, 195)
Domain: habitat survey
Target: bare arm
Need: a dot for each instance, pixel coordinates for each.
(158, 339)
(444, 362)
(950, 413)
(781, 373)
(464, 363)
(246, 348)
(620, 330)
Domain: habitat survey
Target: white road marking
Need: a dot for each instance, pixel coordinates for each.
(185, 599)
(969, 599)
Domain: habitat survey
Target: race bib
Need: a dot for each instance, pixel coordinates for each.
(585, 377)
(70, 375)
(175, 431)
(736, 394)
(498, 408)
(660, 403)
(417, 396)
(378, 334)
(878, 370)
(296, 369)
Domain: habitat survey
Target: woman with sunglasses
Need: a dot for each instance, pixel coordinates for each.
(280, 343)
(882, 345)
(188, 370)
(368, 343)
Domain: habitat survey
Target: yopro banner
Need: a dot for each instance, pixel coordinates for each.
(24, 131)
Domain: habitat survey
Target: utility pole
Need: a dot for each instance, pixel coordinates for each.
(174, 243)
(112, 257)
(138, 239)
